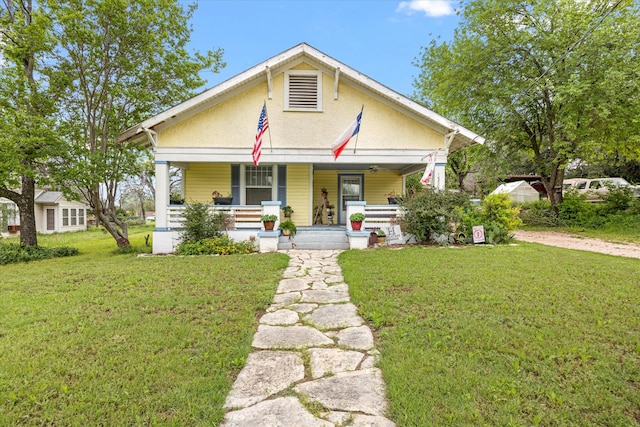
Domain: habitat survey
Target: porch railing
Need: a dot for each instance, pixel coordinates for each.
(248, 216)
(377, 216)
(239, 217)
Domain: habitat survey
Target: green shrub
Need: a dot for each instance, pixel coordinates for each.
(539, 213)
(618, 199)
(575, 210)
(135, 221)
(218, 245)
(430, 214)
(200, 224)
(12, 253)
(498, 217)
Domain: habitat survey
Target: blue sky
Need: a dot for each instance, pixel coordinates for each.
(378, 38)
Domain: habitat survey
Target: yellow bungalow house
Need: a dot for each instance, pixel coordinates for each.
(310, 100)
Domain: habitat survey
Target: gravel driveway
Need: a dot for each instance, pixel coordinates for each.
(565, 240)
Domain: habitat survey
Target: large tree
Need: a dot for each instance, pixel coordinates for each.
(29, 90)
(129, 60)
(73, 75)
(558, 80)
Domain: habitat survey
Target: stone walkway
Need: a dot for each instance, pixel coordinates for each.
(313, 362)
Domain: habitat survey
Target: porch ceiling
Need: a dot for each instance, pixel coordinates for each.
(373, 168)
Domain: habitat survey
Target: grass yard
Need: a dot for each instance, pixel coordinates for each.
(503, 336)
(105, 338)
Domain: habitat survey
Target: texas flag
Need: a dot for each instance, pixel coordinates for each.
(346, 136)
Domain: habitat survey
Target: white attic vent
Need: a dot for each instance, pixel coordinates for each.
(303, 90)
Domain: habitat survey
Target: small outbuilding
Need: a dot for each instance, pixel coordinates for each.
(53, 213)
(518, 191)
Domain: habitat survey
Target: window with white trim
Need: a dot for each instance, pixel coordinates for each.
(73, 217)
(258, 184)
(303, 90)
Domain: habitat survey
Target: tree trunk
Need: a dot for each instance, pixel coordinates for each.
(28, 234)
(553, 185)
(109, 220)
(111, 225)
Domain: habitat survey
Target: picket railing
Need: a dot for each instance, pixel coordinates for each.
(377, 216)
(239, 217)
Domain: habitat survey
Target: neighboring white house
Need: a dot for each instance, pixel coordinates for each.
(518, 191)
(53, 213)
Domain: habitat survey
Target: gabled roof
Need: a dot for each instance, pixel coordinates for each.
(259, 74)
(48, 197)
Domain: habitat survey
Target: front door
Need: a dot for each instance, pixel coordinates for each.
(51, 219)
(351, 189)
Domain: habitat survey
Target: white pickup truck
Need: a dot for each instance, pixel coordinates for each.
(594, 188)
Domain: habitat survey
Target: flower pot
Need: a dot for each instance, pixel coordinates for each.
(268, 225)
(392, 200)
(13, 228)
(286, 232)
(222, 200)
(356, 225)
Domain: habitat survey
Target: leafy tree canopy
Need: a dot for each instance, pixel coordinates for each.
(100, 67)
(557, 80)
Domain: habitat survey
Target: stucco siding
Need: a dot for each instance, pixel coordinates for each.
(202, 179)
(232, 122)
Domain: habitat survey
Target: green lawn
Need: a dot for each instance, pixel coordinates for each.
(497, 336)
(111, 339)
(503, 336)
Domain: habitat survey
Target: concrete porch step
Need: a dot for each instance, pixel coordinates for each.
(316, 238)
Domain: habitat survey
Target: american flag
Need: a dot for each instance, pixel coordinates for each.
(263, 125)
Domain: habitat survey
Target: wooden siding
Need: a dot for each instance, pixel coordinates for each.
(376, 185)
(328, 180)
(298, 193)
(202, 179)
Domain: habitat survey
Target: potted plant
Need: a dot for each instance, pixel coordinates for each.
(219, 199)
(393, 198)
(269, 221)
(287, 211)
(330, 213)
(356, 220)
(382, 236)
(288, 228)
(176, 199)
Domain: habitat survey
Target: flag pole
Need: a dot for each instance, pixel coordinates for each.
(266, 113)
(358, 134)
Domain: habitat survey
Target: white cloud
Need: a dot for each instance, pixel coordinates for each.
(432, 8)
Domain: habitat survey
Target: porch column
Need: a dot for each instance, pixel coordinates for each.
(162, 193)
(439, 173)
(268, 240)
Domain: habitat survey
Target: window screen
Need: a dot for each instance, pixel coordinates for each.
(259, 184)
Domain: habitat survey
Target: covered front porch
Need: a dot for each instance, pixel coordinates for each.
(243, 223)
